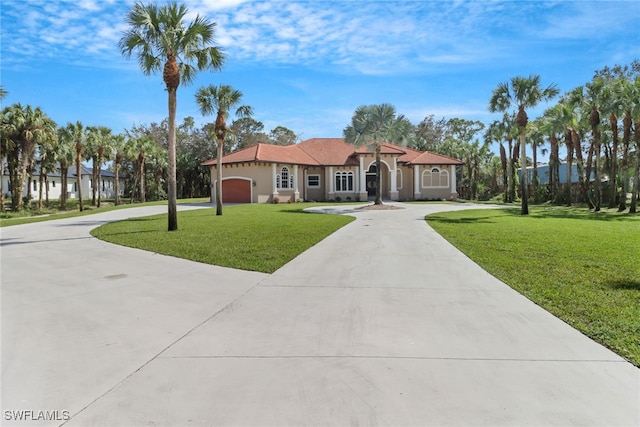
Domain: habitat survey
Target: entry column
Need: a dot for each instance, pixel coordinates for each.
(362, 187)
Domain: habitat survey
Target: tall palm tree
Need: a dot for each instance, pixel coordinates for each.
(3, 93)
(374, 125)
(22, 128)
(77, 133)
(611, 106)
(552, 125)
(163, 40)
(119, 146)
(628, 94)
(101, 142)
(592, 99)
(523, 93)
(635, 115)
(47, 161)
(505, 130)
(65, 155)
(137, 150)
(220, 100)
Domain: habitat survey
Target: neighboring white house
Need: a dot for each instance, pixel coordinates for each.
(54, 183)
(543, 174)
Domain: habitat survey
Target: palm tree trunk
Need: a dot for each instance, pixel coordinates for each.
(41, 180)
(172, 187)
(569, 164)
(536, 179)
(79, 174)
(219, 178)
(3, 207)
(505, 172)
(116, 184)
(509, 198)
(598, 183)
(523, 171)
(94, 181)
(63, 183)
(613, 179)
(636, 175)
(378, 199)
(554, 167)
(625, 161)
(142, 178)
(580, 162)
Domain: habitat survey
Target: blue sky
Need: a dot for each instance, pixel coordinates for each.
(307, 65)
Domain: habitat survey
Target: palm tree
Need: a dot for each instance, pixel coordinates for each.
(635, 114)
(505, 130)
(65, 154)
(374, 125)
(119, 154)
(22, 128)
(552, 125)
(47, 150)
(628, 94)
(524, 92)
(220, 100)
(162, 39)
(137, 150)
(78, 134)
(3, 93)
(101, 149)
(611, 106)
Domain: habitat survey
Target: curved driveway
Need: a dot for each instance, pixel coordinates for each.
(381, 323)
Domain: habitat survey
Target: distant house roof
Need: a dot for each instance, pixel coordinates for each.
(328, 152)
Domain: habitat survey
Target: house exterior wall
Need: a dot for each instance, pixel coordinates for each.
(312, 193)
(434, 182)
(431, 182)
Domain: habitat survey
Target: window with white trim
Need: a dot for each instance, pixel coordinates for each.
(284, 179)
(399, 179)
(344, 181)
(435, 178)
(313, 181)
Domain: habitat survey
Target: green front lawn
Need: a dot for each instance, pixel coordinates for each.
(256, 237)
(583, 267)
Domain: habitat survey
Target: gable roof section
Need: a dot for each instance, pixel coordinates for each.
(328, 152)
(267, 153)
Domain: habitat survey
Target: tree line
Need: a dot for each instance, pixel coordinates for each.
(32, 143)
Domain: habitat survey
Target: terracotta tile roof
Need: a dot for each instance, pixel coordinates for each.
(328, 152)
(429, 158)
(384, 149)
(267, 153)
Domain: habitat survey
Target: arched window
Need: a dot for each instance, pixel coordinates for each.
(284, 178)
(435, 178)
(344, 181)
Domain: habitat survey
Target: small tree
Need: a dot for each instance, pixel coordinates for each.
(220, 100)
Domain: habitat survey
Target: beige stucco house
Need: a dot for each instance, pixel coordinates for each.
(323, 169)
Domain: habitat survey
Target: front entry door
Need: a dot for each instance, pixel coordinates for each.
(371, 185)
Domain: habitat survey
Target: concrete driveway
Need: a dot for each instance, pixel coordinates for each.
(382, 323)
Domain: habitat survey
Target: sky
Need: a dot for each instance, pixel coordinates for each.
(307, 65)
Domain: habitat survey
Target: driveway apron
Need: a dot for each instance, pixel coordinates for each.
(381, 323)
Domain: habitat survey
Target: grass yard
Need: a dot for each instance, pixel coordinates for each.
(581, 266)
(256, 237)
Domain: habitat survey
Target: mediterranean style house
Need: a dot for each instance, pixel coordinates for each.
(325, 169)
